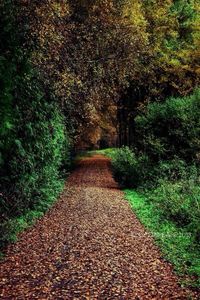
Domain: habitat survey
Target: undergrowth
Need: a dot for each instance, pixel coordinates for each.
(162, 171)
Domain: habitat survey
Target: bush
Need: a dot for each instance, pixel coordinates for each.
(129, 169)
(34, 146)
(171, 185)
(170, 129)
(171, 170)
(32, 165)
(179, 201)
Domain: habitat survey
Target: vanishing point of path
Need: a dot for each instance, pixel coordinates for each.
(90, 245)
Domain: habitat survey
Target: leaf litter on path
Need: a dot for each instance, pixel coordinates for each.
(90, 245)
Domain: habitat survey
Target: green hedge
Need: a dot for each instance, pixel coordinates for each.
(171, 128)
(32, 162)
(34, 145)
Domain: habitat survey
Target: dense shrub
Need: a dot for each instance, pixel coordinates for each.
(170, 128)
(32, 165)
(34, 145)
(32, 162)
(173, 186)
(129, 169)
(170, 170)
(167, 201)
(180, 202)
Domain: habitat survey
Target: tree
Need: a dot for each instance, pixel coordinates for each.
(87, 54)
(170, 66)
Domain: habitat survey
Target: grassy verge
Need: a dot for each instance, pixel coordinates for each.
(176, 243)
(109, 152)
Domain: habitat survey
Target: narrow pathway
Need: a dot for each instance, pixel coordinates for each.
(90, 245)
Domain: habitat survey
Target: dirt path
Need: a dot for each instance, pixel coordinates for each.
(89, 246)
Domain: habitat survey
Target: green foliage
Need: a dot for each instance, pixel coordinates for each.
(109, 152)
(125, 166)
(186, 15)
(165, 168)
(169, 170)
(36, 152)
(13, 226)
(170, 64)
(31, 178)
(170, 128)
(180, 202)
(8, 74)
(177, 243)
(129, 169)
(34, 145)
(173, 186)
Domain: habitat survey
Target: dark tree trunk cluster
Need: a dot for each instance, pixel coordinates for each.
(126, 112)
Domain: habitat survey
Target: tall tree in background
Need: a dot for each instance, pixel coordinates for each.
(98, 56)
(171, 65)
(88, 51)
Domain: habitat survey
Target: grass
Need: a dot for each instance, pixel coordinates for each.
(176, 244)
(109, 152)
